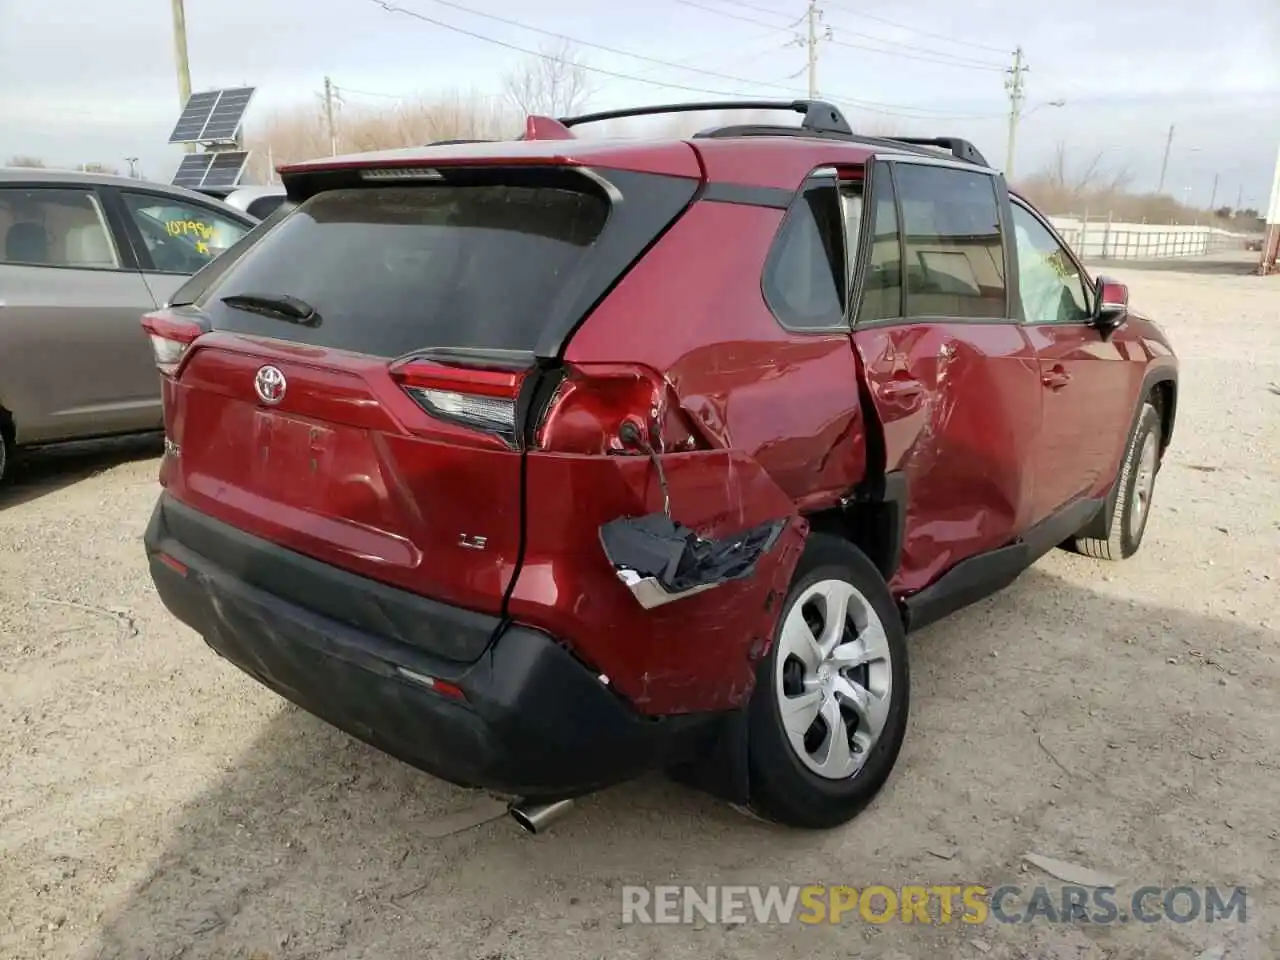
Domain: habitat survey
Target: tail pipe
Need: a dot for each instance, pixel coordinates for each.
(537, 817)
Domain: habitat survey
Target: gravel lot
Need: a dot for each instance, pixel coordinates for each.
(156, 803)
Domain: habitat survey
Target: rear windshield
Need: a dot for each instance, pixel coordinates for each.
(389, 270)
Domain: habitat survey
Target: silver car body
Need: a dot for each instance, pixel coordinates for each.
(82, 257)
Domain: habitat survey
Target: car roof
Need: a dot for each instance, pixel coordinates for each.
(44, 175)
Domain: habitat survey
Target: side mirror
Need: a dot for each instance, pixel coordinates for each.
(1110, 304)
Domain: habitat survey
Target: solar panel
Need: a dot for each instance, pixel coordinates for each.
(194, 117)
(224, 120)
(191, 171)
(225, 169)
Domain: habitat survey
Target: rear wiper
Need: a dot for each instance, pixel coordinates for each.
(279, 305)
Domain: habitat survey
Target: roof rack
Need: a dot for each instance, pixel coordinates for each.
(819, 117)
(960, 149)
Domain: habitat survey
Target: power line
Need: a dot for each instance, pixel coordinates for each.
(868, 36)
(924, 56)
(600, 46)
(392, 8)
(869, 105)
(902, 26)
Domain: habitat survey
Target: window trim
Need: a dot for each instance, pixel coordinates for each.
(1088, 285)
(145, 263)
(1001, 194)
(872, 171)
(125, 262)
(825, 176)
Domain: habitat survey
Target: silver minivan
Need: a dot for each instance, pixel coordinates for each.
(82, 257)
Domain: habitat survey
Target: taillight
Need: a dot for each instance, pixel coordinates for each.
(481, 398)
(171, 337)
(592, 403)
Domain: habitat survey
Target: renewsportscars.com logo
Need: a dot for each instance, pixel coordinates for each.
(941, 904)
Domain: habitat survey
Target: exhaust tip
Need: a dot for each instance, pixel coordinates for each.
(536, 817)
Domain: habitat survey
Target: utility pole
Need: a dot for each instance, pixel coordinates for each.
(1164, 165)
(133, 167)
(180, 56)
(328, 114)
(813, 16)
(1239, 199)
(1213, 197)
(1015, 87)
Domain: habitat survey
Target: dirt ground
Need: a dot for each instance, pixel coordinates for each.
(155, 803)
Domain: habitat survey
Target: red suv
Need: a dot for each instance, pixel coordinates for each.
(543, 462)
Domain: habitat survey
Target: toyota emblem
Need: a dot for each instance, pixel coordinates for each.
(270, 385)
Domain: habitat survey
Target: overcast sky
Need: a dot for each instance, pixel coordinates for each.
(86, 81)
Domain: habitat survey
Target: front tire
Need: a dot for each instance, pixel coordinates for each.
(1134, 490)
(829, 712)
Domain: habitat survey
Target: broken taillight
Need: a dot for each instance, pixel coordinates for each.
(587, 413)
(171, 337)
(480, 398)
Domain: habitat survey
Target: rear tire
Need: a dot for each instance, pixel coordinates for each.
(829, 712)
(1134, 490)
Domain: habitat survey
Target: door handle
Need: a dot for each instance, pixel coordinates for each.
(1055, 379)
(903, 389)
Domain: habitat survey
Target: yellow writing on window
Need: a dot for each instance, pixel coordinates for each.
(191, 228)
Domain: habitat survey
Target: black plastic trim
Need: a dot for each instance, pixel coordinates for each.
(775, 197)
(980, 576)
(534, 722)
(819, 116)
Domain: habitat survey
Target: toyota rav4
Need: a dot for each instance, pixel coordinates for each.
(540, 463)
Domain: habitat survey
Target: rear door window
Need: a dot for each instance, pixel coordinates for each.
(954, 246)
(389, 270)
(54, 227)
(180, 237)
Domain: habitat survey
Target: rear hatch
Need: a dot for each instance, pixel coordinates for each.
(348, 386)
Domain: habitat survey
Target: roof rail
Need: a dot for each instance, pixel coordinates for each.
(819, 117)
(962, 150)
(449, 143)
(958, 148)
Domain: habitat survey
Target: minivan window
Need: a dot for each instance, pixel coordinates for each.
(392, 269)
(54, 227)
(954, 248)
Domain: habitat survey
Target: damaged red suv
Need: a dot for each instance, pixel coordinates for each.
(541, 463)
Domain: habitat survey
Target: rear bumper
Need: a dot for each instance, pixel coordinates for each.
(535, 722)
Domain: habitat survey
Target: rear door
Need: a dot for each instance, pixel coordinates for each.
(376, 432)
(952, 376)
(72, 360)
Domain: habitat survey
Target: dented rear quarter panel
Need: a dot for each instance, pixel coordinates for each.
(781, 433)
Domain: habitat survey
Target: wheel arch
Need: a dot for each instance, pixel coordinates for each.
(872, 518)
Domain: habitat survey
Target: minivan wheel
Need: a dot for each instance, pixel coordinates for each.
(1134, 491)
(829, 712)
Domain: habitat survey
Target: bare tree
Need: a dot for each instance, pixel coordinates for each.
(554, 83)
(22, 160)
(100, 168)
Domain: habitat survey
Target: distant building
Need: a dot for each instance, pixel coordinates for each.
(1271, 245)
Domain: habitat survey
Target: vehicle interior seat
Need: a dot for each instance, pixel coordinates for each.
(26, 242)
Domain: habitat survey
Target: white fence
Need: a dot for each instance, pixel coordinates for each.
(1094, 239)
